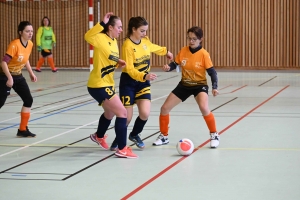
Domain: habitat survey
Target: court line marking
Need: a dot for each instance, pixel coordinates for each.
(44, 110)
(65, 104)
(63, 133)
(47, 88)
(200, 146)
(262, 149)
(81, 170)
(133, 147)
(105, 158)
(267, 81)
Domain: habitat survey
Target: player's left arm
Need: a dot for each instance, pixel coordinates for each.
(31, 74)
(173, 64)
(212, 73)
(53, 39)
(158, 50)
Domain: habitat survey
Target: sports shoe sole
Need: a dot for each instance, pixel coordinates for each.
(25, 137)
(160, 144)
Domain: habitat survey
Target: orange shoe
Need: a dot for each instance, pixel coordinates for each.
(126, 152)
(100, 141)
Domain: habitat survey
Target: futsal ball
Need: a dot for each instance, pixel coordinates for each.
(185, 147)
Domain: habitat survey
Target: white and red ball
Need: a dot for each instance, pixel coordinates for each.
(185, 147)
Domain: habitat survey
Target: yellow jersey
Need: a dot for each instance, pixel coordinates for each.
(137, 57)
(105, 58)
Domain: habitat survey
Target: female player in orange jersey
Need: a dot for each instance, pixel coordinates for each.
(14, 60)
(195, 62)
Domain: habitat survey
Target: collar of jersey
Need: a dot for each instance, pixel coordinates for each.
(195, 50)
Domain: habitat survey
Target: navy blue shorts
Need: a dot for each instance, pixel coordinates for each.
(100, 94)
(131, 90)
(184, 92)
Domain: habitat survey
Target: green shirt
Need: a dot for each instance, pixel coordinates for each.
(45, 37)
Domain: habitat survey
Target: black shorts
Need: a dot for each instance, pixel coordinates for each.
(131, 90)
(184, 92)
(46, 53)
(20, 86)
(100, 94)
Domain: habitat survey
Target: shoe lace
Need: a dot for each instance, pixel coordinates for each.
(160, 137)
(138, 139)
(214, 136)
(104, 138)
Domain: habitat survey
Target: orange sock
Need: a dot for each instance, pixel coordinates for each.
(210, 122)
(40, 62)
(164, 124)
(24, 121)
(51, 63)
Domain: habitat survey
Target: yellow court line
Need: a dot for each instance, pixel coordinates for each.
(163, 146)
(49, 145)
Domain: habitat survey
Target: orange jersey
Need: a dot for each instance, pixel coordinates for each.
(193, 66)
(20, 55)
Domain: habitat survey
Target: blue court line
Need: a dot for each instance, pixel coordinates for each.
(18, 175)
(8, 127)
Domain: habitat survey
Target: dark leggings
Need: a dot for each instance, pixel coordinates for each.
(20, 86)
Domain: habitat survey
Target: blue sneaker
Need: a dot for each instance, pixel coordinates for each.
(137, 140)
(114, 146)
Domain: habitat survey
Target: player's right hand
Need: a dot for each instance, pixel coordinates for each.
(10, 82)
(151, 77)
(121, 63)
(106, 17)
(39, 48)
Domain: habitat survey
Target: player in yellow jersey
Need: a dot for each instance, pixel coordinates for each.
(16, 57)
(101, 85)
(195, 62)
(45, 40)
(136, 77)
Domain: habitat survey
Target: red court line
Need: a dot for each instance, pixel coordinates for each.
(238, 89)
(225, 87)
(197, 148)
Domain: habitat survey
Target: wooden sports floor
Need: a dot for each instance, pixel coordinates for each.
(257, 115)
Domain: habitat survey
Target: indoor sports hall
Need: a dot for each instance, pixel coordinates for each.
(255, 47)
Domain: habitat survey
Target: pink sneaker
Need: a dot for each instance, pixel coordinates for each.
(126, 152)
(100, 141)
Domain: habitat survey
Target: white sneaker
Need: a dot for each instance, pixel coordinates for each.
(161, 140)
(214, 140)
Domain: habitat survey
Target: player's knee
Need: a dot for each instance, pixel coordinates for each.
(144, 116)
(122, 113)
(204, 110)
(28, 102)
(164, 109)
